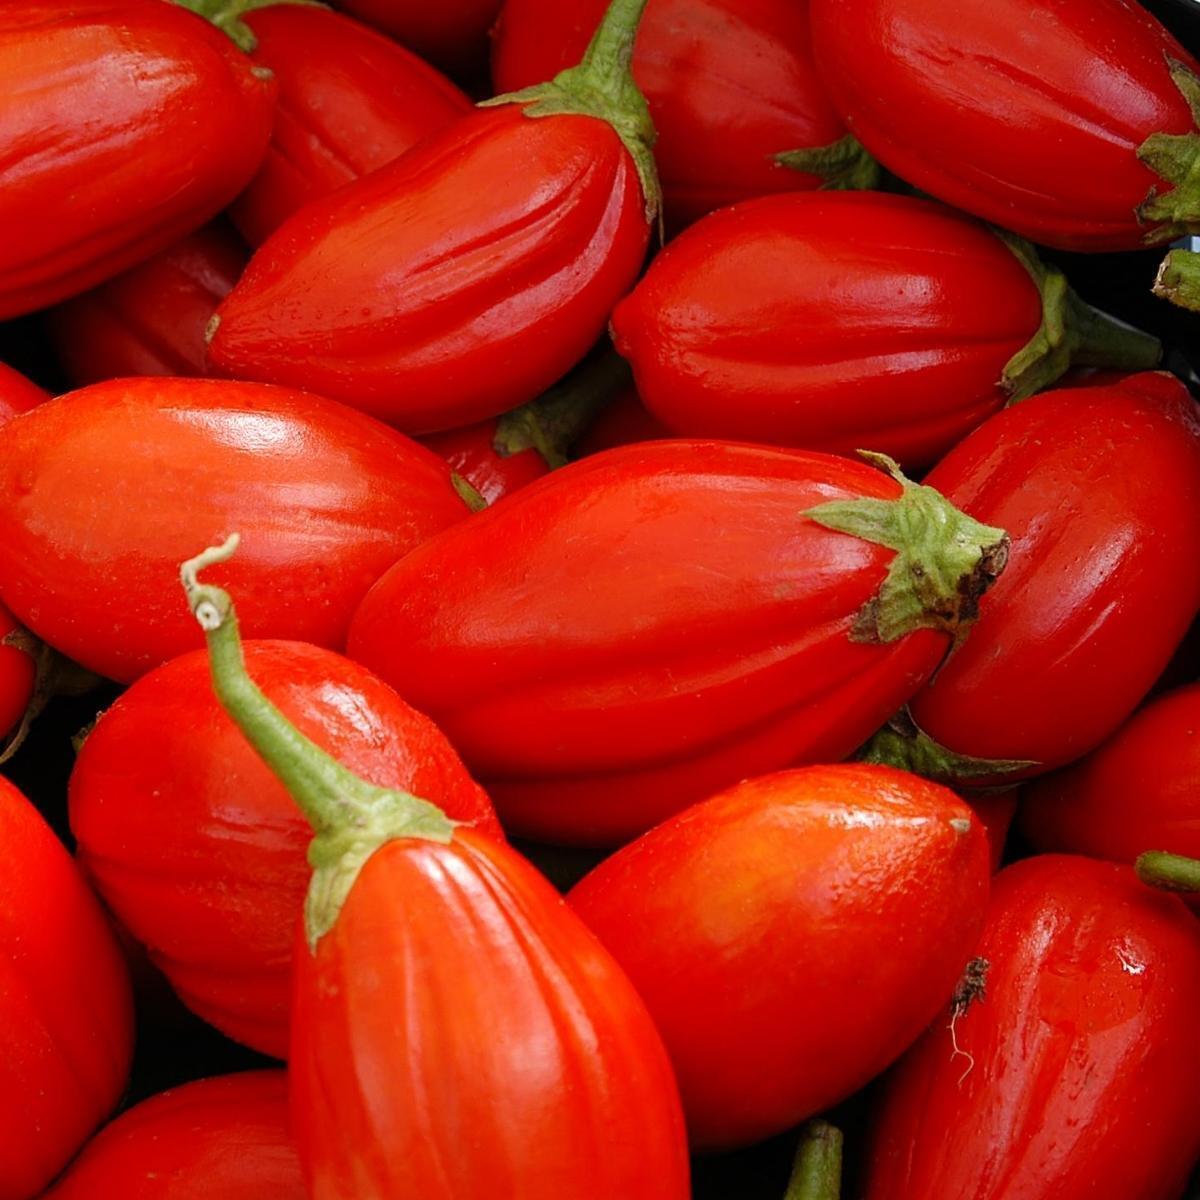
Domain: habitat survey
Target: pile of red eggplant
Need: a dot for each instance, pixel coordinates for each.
(599, 600)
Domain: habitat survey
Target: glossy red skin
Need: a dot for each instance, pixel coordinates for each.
(66, 1014)
(200, 851)
(472, 453)
(715, 646)
(1084, 1047)
(452, 34)
(215, 1139)
(756, 927)
(1139, 791)
(145, 115)
(105, 491)
(832, 321)
(150, 320)
(350, 100)
(18, 673)
(17, 394)
(730, 84)
(460, 1033)
(453, 285)
(1037, 132)
(1099, 489)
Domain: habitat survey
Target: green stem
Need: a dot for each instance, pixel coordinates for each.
(1171, 872)
(1178, 279)
(944, 562)
(555, 421)
(903, 743)
(843, 165)
(1072, 333)
(817, 1170)
(351, 817)
(227, 15)
(602, 86)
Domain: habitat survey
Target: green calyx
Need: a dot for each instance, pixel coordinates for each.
(817, 1169)
(843, 165)
(602, 86)
(554, 422)
(351, 818)
(1072, 333)
(1175, 159)
(1178, 279)
(945, 560)
(227, 16)
(1171, 872)
(903, 743)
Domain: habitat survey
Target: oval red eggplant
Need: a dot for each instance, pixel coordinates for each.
(66, 1014)
(793, 935)
(148, 118)
(1100, 490)
(839, 320)
(649, 625)
(1034, 114)
(442, 985)
(350, 101)
(1139, 791)
(103, 491)
(151, 319)
(224, 1138)
(466, 277)
(196, 847)
(731, 84)
(1073, 1074)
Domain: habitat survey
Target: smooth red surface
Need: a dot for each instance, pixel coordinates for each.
(1099, 489)
(105, 491)
(792, 936)
(472, 453)
(18, 672)
(454, 284)
(641, 629)
(1027, 113)
(151, 319)
(200, 851)
(1083, 1053)
(350, 100)
(17, 394)
(730, 84)
(124, 125)
(1139, 791)
(451, 33)
(459, 1032)
(66, 1015)
(831, 321)
(216, 1139)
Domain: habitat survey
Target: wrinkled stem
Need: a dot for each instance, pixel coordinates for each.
(1171, 872)
(817, 1170)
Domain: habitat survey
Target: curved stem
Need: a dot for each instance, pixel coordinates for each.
(1171, 872)
(327, 793)
(352, 818)
(817, 1170)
